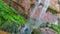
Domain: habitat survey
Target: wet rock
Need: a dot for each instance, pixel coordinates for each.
(47, 31)
(37, 13)
(49, 17)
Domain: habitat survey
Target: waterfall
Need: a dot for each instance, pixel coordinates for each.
(42, 12)
(32, 13)
(38, 21)
(35, 8)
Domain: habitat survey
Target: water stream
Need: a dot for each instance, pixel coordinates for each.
(38, 21)
(43, 11)
(35, 8)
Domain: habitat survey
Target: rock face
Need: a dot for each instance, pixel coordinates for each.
(44, 31)
(49, 17)
(24, 6)
(47, 31)
(54, 5)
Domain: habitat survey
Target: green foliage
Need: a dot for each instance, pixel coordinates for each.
(9, 14)
(10, 27)
(56, 28)
(1, 20)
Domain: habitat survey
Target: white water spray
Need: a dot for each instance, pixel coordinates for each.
(42, 12)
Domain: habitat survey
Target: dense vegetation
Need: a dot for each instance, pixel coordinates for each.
(10, 14)
(10, 21)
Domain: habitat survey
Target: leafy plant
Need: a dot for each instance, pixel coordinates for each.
(56, 28)
(9, 14)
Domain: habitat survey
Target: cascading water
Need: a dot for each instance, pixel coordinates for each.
(32, 13)
(26, 29)
(35, 8)
(43, 11)
(38, 21)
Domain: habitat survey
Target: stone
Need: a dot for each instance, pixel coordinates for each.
(47, 31)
